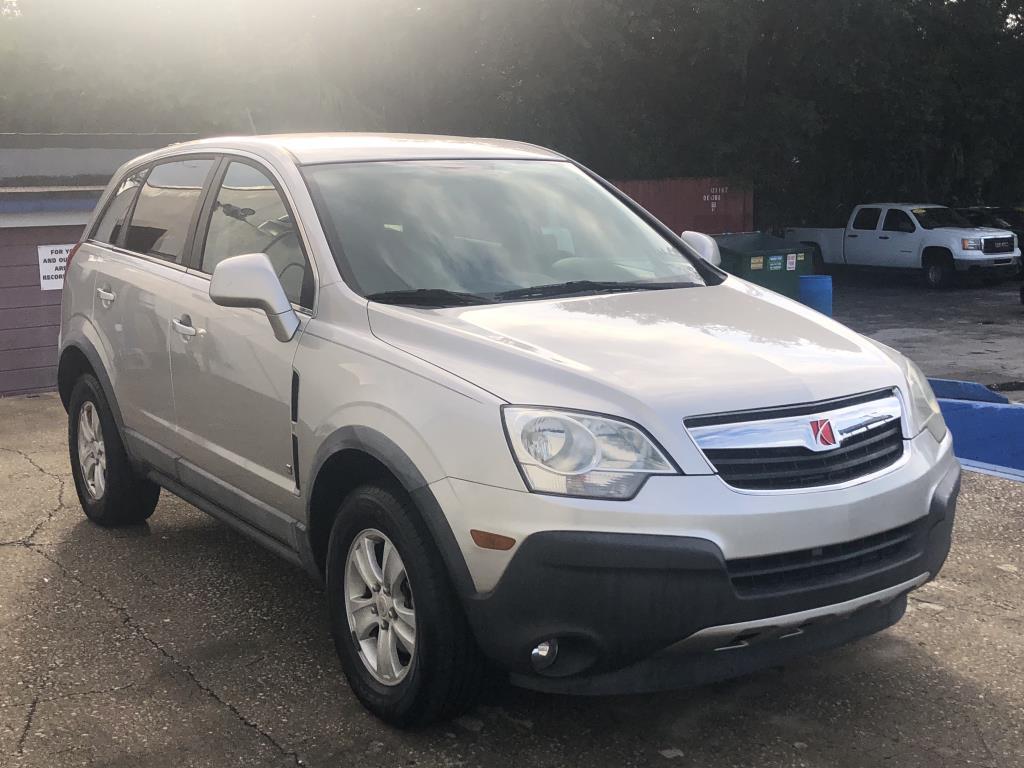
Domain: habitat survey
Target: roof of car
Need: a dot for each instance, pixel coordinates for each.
(312, 148)
(903, 205)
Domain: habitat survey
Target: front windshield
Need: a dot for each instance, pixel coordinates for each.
(1014, 217)
(488, 229)
(936, 218)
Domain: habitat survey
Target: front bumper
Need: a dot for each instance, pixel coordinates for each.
(636, 612)
(991, 263)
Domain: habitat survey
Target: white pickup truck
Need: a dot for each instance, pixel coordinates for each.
(931, 238)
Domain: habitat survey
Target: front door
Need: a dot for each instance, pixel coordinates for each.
(900, 238)
(232, 378)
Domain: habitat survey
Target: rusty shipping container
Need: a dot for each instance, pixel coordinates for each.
(706, 205)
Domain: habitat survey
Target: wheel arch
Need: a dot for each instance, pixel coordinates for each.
(353, 456)
(80, 356)
(932, 253)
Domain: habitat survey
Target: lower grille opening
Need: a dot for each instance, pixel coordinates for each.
(809, 568)
(799, 467)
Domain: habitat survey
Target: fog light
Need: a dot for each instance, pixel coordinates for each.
(544, 655)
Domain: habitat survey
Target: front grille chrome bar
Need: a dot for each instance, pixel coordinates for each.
(797, 431)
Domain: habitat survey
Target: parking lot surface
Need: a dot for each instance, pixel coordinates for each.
(182, 643)
(973, 332)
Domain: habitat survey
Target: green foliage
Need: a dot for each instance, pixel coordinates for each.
(818, 103)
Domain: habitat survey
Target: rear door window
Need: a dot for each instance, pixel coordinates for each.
(110, 226)
(867, 218)
(165, 208)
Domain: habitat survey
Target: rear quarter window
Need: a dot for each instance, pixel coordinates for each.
(109, 228)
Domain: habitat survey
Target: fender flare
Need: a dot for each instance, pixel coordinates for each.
(382, 448)
(82, 344)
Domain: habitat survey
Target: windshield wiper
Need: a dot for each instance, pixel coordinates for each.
(587, 286)
(429, 297)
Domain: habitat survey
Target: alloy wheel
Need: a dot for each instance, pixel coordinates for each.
(92, 451)
(379, 606)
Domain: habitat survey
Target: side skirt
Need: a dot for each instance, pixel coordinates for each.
(219, 513)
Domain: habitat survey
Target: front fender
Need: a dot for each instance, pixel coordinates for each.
(378, 445)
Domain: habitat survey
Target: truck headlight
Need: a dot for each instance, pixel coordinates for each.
(971, 243)
(924, 406)
(569, 453)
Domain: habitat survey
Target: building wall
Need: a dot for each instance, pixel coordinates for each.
(29, 316)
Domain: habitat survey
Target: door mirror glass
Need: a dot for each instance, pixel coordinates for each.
(704, 245)
(250, 281)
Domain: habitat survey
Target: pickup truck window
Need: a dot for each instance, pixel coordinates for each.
(898, 221)
(936, 218)
(867, 218)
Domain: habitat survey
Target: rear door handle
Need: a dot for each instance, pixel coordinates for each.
(883, 237)
(183, 326)
(105, 295)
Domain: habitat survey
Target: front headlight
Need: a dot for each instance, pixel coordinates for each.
(971, 243)
(925, 408)
(580, 454)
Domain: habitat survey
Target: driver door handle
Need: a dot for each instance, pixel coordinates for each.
(183, 325)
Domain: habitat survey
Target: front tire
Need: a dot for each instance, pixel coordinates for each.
(110, 491)
(939, 271)
(399, 630)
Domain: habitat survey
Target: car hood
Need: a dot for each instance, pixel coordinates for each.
(648, 355)
(976, 232)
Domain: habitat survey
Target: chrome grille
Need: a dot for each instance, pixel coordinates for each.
(782, 449)
(997, 245)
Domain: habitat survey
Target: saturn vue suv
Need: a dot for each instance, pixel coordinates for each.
(506, 417)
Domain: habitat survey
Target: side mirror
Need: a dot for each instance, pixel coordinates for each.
(704, 245)
(250, 281)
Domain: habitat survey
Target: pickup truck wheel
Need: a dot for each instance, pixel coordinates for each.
(399, 630)
(939, 272)
(110, 491)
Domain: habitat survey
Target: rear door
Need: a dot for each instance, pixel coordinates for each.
(900, 240)
(145, 232)
(233, 380)
(862, 236)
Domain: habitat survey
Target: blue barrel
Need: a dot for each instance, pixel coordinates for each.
(816, 292)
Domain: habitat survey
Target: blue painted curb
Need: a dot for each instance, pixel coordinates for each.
(951, 389)
(990, 469)
(990, 433)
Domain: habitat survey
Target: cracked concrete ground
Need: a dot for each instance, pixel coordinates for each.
(180, 643)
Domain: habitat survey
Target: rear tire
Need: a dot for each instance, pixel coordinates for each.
(109, 489)
(443, 674)
(939, 271)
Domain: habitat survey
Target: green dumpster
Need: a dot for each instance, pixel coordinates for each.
(766, 260)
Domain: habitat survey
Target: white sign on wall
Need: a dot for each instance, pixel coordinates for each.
(53, 259)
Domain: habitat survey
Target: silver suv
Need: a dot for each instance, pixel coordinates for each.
(507, 417)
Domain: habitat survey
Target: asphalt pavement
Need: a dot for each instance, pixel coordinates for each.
(973, 331)
(181, 643)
